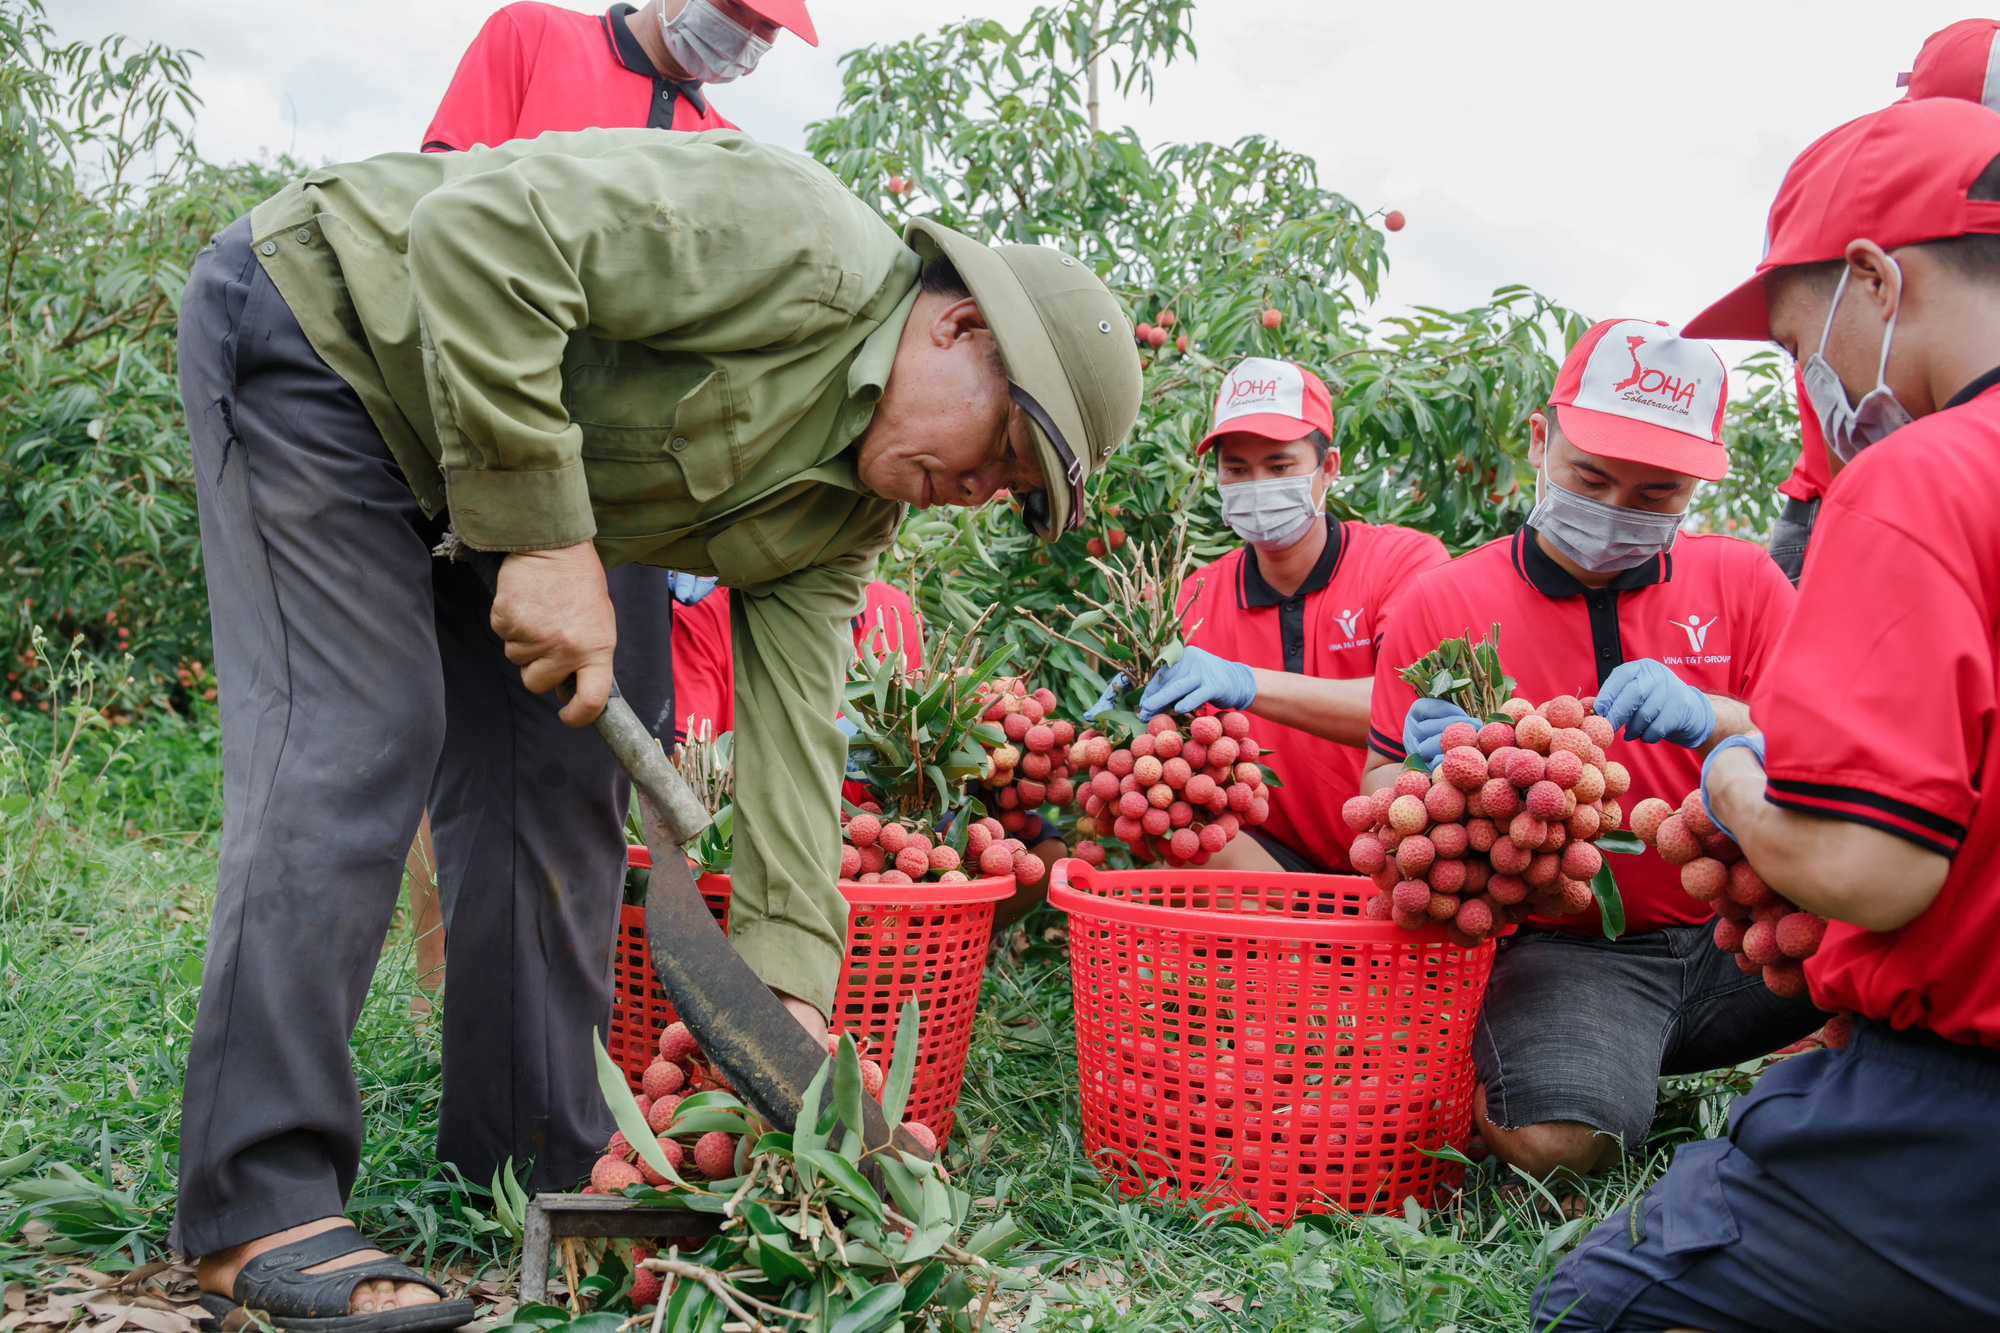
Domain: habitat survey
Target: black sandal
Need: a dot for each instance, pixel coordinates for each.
(276, 1285)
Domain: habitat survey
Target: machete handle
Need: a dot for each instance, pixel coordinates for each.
(634, 747)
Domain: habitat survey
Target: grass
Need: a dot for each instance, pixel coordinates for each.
(101, 942)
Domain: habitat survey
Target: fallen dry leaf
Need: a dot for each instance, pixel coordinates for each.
(15, 1296)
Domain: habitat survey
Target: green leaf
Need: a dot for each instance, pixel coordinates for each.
(780, 1265)
(625, 1111)
(873, 1311)
(903, 1067)
(703, 1122)
(715, 1099)
(1609, 903)
(806, 1135)
(1416, 764)
(995, 1238)
(842, 1175)
(847, 1088)
(905, 1188)
(922, 1287)
(1625, 844)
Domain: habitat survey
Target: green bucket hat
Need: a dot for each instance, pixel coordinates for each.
(1070, 358)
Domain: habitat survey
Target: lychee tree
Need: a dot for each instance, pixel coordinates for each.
(994, 129)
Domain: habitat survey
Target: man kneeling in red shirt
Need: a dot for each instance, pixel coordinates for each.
(1602, 595)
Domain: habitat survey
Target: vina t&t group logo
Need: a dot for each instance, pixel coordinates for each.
(1350, 629)
(1696, 630)
(1655, 388)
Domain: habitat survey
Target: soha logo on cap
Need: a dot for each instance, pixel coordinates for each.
(1259, 384)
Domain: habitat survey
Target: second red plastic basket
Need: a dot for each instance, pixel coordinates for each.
(1253, 1040)
(912, 941)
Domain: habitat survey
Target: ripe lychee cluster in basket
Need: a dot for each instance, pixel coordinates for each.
(1766, 932)
(1178, 793)
(1502, 828)
(1033, 768)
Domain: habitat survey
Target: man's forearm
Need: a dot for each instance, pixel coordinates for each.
(1839, 869)
(1732, 718)
(1378, 773)
(1335, 710)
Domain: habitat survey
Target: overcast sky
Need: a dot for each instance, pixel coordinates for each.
(1618, 157)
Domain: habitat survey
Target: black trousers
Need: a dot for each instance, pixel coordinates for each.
(358, 682)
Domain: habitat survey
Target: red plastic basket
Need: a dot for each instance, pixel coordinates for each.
(925, 942)
(1251, 1040)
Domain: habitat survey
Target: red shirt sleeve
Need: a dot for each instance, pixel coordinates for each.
(704, 666)
(1772, 599)
(1881, 690)
(483, 103)
(889, 624)
(1410, 635)
(1409, 557)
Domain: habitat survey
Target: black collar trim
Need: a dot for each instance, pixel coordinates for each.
(633, 56)
(1550, 579)
(1974, 389)
(1252, 593)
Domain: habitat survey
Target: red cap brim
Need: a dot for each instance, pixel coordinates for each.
(788, 14)
(1742, 315)
(1265, 425)
(1611, 436)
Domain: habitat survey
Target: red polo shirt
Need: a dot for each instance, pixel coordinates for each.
(704, 665)
(1881, 704)
(1710, 609)
(1328, 628)
(535, 68)
(1811, 474)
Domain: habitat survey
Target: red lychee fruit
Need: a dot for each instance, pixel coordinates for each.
(1525, 768)
(1095, 546)
(1447, 876)
(677, 1044)
(913, 862)
(1500, 799)
(1509, 857)
(1616, 780)
(1647, 816)
(1787, 980)
(1509, 889)
(1704, 878)
(1394, 220)
(1475, 918)
(1545, 800)
(1799, 934)
(1186, 842)
(1728, 934)
(1444, 803)
(850, 862)
(897, 185)
(715, 1154)
(1675, 842)
(1534, 732)
(672, 1152)
(1272, 318)
(1564, 769)
(942, 858)
(921, 1132)
(1544, 869)
(1451, 840)
(1410, 782)
(1747, 887)
(1581, 860)
(1760, 943)
(1358, 813)
(893, 838)
(1457, 734)
(1214, 837)
(1528, 830)
(1235, 725)
(1839, 1030)
(1576, 896)
(1259, 811)
(1443, 906)
(1481, 834)
(660, 1116)
(663, 1077)
(1406, 815)
(1157, 336)
(1414, 855)
(1464, 767)
(1028, 868)
(612, 1174)
(862, 830)
(1412, 895)
(1090, 853)
(998, 859)
(1206, 729)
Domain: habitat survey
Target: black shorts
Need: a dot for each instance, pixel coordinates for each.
(1289, 859)
(1578, 1027)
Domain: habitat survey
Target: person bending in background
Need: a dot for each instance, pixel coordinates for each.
(1285, 627)
(1601, 594)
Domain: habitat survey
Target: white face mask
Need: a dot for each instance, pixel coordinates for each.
(709, 45)
(1603, 538)
(1274, 512)
(1850, 429)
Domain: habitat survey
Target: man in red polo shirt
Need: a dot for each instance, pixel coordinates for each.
(1285, 626)
(535, 68)
(1601, 594)
(1855, 1187)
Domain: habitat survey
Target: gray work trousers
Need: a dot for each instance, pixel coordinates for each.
(359, 680)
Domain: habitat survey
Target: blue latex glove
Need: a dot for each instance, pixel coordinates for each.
(688, 588)
(1650, 703)
(1198, 678)
(1424, 724)
(1107, 700)
(1753, 742)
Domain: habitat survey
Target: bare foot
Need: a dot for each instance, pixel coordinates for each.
(217, 1272)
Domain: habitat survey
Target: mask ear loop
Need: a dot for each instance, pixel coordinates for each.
(1826, 331)
(1888, 334)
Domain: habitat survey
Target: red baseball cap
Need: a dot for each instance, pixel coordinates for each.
(1634, 389)
(1895, 176)
(1961, 61)
(1279, 400)
(788, 14)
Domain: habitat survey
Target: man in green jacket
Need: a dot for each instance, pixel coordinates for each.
(694, 351)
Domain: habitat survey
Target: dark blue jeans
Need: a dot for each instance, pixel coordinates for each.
(1857, 1190)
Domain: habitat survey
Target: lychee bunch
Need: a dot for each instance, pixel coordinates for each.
(1503, 826)
(1767, 933)
(1033, 768)
(875, 850)
(1178, 793)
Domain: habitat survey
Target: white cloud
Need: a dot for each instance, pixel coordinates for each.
(1619, 158)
